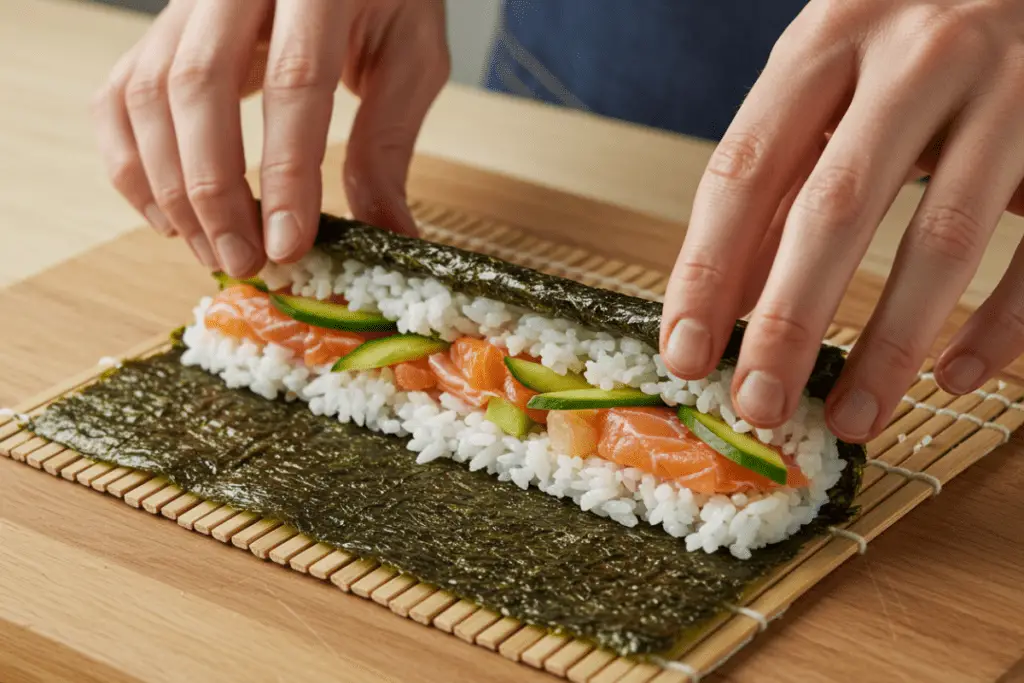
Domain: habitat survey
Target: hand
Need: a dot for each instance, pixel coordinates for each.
(170, 128)
(782, 218)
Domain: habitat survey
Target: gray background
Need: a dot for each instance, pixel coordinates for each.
(471, 26)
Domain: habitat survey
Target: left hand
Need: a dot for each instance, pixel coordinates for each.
(781, 219)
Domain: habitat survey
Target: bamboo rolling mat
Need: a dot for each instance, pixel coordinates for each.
(932, 438)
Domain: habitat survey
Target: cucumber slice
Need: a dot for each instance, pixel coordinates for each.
(330, 315)
(379, 353)
(541, 379)
(582, 399)
(508, 416)
(740, 448)
(226, 280)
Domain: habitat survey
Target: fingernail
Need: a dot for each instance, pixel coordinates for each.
(856, 413)
(236, 255)
(201, 246)
(158, 220)
(761, 397)
(689, 347)
(282, 234)
(963, 373)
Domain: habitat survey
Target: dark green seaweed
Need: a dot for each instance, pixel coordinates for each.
(619, 314)
(522, 553)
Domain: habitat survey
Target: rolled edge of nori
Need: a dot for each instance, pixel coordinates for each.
(476, 274)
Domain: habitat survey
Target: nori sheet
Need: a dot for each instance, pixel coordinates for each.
(522, 553)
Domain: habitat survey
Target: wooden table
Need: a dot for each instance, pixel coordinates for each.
(90, 590)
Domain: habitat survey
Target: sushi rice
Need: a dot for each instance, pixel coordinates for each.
(451, 429)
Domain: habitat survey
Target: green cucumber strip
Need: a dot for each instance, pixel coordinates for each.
(508, 416)
(226, 280)
(742, 449)
(380, 353)
(582, 399)
(330, 315)
(541, 379)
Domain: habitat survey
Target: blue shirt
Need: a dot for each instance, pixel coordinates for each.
(679, 65)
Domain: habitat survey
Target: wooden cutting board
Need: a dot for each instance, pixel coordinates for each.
(87, 586)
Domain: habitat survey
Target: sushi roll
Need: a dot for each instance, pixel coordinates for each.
(539, 381)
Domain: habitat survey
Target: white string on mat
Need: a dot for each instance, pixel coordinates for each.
(514, 255)
(974, 419)
(929, 479)
(108, 362)
(986, 395)
(862, 543)
(761, 619)
(682, 667)
(10, 412)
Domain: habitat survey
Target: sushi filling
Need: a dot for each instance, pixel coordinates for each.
(632, 464)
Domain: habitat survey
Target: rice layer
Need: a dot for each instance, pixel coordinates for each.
(450, 429)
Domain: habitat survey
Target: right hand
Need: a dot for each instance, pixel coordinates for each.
(170, 128)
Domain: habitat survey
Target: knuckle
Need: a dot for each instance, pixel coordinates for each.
(833, 194)
(943, 35)
(143, 90)
(698, 279)
(192, 76)
(171, 198)
(739, 157)
(290, 73)
(947, 232)
(784, 329)
(126, 172)
(825, 18)
(285, 170)
(901, 357)
(209, 191)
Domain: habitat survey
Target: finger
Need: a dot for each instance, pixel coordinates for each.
(756, 163)
(827, 233)
(307, 50)
(761, 265)
(981, 167)
(397, 85)
(1017, 202)
(205, 82)
(150, 114)
(118, 147)
(992, 338)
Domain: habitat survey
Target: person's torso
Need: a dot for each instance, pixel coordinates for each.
(680, 65)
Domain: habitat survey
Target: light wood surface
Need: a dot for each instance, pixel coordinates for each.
(85, 590)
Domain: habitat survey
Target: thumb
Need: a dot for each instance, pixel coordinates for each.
(397, 83)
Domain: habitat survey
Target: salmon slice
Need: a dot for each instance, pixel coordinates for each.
(452, 381)
(324, 346)
(481, 363)
(415, 375)
(655, 441)
(244, 312)
(275, 327)
(227, 313)
(575, 432)
(519, 395)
